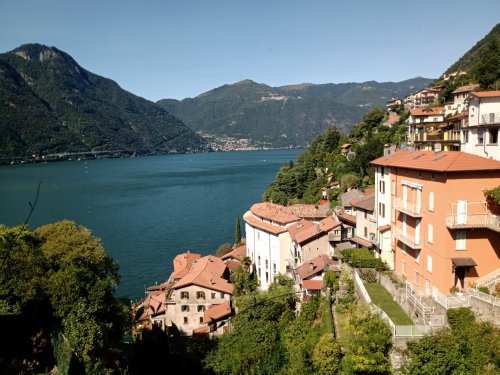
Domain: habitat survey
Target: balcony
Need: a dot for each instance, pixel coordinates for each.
(409, 208)
(407, 239)
(471, 221)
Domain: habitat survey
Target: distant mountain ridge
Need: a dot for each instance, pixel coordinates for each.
(50, 104)
(283, 116)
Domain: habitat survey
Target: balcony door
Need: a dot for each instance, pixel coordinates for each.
(405, 196)
(461, 212)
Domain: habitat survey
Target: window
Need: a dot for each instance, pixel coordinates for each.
(433, 176)
(200, 295)
(267, 277)
(429, 263)
(184, 295)
(201, 308)
(466, 136)
(430, 233)
(416, 277)
(366, 214)
(365, 232)
(184, 308)
(480, 138)
(213, 295)
(417, 256)
(431, 201)
(493, 136)
(460, 240)
(404, 248)
(381, 209)
(382, 171)
(221, 295)
(185, 320)
(403, 268)
(201, 319)
(274, 268)
(259, 260)
(267, 264)
(382, 187)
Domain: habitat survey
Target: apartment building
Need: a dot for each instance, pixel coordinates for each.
(480, 133)
(443, 232)
(425, 128)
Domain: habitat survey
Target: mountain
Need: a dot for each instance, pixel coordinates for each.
(472, 56)
(283, 116)
(49, 104)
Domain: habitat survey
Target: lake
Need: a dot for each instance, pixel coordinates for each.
(145, 209)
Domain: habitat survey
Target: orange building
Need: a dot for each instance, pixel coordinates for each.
(443, 233)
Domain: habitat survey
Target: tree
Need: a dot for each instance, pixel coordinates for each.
(244, 282)
(468, 347)
(349, 181)
(327, 355)
(237, 234)
(487, 70)
(223, 249)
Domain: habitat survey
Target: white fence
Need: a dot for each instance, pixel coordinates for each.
(450, 302)
(361, 288)
(474, 293)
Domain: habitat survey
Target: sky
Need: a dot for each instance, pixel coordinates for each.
(177, 49)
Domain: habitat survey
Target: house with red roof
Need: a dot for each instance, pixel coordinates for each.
(443, 232)
(311, 273)
(203, 287)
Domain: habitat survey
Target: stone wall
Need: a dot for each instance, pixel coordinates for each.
(485, 310)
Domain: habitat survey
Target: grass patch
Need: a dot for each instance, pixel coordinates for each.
(344, 337)
(382, 298)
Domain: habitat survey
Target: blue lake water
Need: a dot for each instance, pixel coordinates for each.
(147, 209)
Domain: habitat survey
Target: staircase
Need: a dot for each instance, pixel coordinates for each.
(489, 279)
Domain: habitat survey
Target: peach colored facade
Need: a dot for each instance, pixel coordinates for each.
(440, 237)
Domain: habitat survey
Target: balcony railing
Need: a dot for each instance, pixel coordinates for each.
(475, 220)
(410, 208)
(407, 239)
(490, 118)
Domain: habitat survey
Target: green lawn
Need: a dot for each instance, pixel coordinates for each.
(381, 297)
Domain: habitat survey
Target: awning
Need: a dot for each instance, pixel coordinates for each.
(383, 228)
(463, 262)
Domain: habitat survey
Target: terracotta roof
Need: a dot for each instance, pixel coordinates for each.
(365, 203)
(427, 111)
(312, 284)
(208, 273)
(391, 120)
(274, 212)
(361, 241)
(347, 217)
(305, 211)
(256, 223)
(444, 161)
(183, 263)
(202, 329)
(232, 264)
(328, 224)
(314, 266)
(486, 94)
(348, 196)
(239, 253)
(383, 228)
(305, 231)
(466, 88)
(155, 303)
(216, 312)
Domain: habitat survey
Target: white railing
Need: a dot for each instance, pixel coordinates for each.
(406, 238)
(361, 288)
(476, 220)
(410, 208)
(415, 299)
(474, 293)
(490, 118)
(488, 279)
(450, 302)
(411, 331)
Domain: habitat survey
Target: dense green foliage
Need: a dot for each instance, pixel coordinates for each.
(467, 347)
(237, 231)
(362, 258)
(60, 278)
(493, 195)
(283, 116)
(302, 181)
(49, 104)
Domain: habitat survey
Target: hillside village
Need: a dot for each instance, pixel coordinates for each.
(426, 219)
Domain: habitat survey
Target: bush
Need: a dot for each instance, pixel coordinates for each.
(484, 289)
(368, 275)
(362, 258)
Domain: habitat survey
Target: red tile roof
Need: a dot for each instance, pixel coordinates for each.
(361, 241)
(201, 329)
(305, 211)
(274, 212)
(256, 223)
(183, 263)
(232, 264)
(216, 312)
(314, 266)
(208, 273)
(155, 303)
(239, 253)
(347, 217)
(312, 284)
(306, 231)
(445, 161)
(328, 224)
(383, 228)
(427, 111)
(486, 94)
(391, 120)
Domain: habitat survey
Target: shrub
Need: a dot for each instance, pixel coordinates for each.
(362, 258)
(368, 275)
(484, 289)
